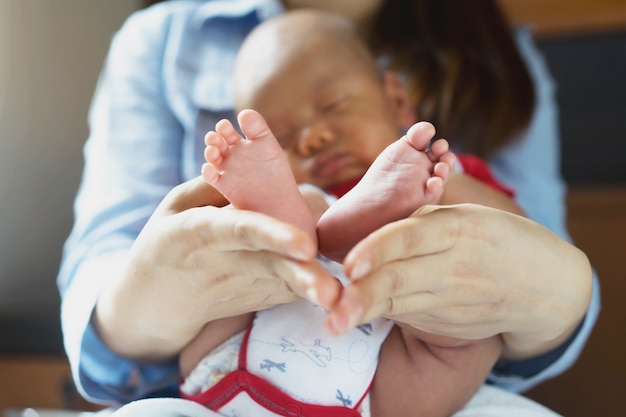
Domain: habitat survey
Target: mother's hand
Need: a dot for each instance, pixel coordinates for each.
(469, 272)
(194, 263)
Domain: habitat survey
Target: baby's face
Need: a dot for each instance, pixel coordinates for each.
(332, 118)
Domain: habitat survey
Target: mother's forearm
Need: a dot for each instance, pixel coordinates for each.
(551, 318)
(134, 324)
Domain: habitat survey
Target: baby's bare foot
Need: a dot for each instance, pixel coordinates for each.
(404, 177)
(253, 173)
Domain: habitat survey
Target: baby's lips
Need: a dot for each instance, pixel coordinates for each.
(328, 165)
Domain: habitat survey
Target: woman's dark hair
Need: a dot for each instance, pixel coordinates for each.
(465, 73)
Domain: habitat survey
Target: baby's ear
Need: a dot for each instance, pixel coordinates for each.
(397, 92)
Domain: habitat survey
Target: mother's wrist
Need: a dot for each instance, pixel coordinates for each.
(526, 345)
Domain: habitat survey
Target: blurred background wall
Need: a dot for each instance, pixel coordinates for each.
(50, 55)
(51, 52)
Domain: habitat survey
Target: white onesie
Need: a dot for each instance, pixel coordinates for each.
(286, 364)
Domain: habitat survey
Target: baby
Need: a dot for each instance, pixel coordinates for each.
(314, 109)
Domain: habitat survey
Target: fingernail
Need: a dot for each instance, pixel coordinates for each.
(311, 295)
(307, 250)
(335, 325)
(354, 318)
(283, 234)
(306, 278)
(293, 248)
(361, 268)
(301, 251)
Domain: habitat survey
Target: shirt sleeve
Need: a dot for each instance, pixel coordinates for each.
(531, 166)
(132, 159)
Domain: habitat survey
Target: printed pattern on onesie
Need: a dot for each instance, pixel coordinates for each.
(289, 347)
(287, 359)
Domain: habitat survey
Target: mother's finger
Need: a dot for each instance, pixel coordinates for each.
(389, 290)
(309, 280)
(219, 229)
(431, 229)
(193, 193)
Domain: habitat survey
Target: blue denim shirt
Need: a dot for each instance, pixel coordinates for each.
(166, 81)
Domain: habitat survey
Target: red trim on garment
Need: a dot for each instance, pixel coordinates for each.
(243, 350)
(341, 189)
(477, 168)
(265, 394)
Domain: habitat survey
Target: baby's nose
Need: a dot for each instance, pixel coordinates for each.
(313, 138)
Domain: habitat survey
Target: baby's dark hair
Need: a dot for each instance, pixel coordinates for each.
(464, 70)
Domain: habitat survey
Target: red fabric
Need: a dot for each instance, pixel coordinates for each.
(265, 394)
(477, 168)
(341, 189)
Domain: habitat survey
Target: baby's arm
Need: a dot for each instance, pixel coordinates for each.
(416, 377)
(462, 188)
(430, 375)
(211, 336)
